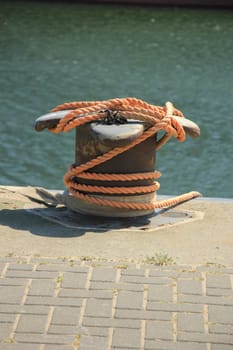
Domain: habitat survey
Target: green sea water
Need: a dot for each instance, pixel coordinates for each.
(56, 52)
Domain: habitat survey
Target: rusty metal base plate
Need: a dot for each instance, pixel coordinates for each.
(157, 220)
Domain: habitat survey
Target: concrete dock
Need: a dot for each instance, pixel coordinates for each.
(65, 287)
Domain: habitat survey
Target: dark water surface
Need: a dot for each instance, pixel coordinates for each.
(57, 52)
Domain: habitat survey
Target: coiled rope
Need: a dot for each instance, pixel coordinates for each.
(158, 118)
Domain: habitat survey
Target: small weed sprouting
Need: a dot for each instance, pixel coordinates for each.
(160, 260)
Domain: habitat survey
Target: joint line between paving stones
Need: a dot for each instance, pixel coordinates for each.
(118, 276)
(203, 283)
(82, 312)
(88, 280)
(58, 284)
(4, 270)
(14, 327)
(174, 326)
(143, 334)
(144, 306)
(115, 292)
(110, 338)
(206, 318)
(145, 296)
(26, 291)
(49, 319)
(174, 291)
(114, 302)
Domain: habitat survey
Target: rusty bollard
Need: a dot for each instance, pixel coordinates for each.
(113, 147)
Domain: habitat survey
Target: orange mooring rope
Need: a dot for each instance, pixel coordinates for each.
(159, 118)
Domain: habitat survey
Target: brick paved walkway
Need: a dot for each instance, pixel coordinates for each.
(55, 304)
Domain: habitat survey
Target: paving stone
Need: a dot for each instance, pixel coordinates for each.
(205, 338)
(34, 309)
(42, 287)
(162, 330)
(111, 322)
(93, 343)
(104, 274)
(19, 346)
(160, 293)
(221, 314)
(133, 272)
(97, 285)
(6, 318)
(145, 280)
(74, 280)
(126, 323)
(31, 274)
(221, 347)
(63, 329)
(210, 300)
(187, 286)
(190, 322)
(98, 308)
(7, 259)
(143, 315)
(13, 281)
(134, 287)
(5, 330)
(83, 293)
(31, 324)
(168, 345)
(48, 261)
(163, 273)
(58, 347)
(129, 300)
(121, 348)
(112, 286)
(52, 301)
(219, 292)
(176, 268)
(96, 322)
(181, 307)
(11, 294)
(9, 308)
(221, 328)
(54, 339)
(126, 338)
(65, 316)
(97, 331)
(215, 269)
(21, 267)
(62, 268)
(191, 275)
(218, 281)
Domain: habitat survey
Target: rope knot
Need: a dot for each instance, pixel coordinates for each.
(112, 117)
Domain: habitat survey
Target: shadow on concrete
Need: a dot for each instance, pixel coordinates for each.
(61, 222)
(22, 220)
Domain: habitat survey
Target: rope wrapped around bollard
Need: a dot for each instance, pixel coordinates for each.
(167, 118)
